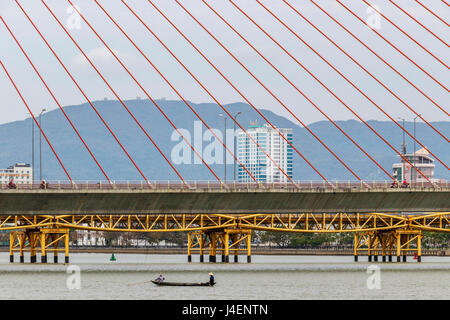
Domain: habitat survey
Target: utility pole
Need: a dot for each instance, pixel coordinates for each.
(234, 145)
(40, 144)
(225, 149)
(32, 149)
(403, 150)
(414, 157)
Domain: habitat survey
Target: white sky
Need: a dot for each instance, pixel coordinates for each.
(11, 107)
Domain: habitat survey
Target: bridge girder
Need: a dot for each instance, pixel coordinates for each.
(304, 222)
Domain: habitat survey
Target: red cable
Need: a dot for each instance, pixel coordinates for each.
(242, 95)
(34, 119)
(434, 14)
(378, 82)
(392, 45)
(298, 90)
(56, 100)
(334, 95)
(275, 97)
(379, 57)
(418, 22)
(145, 91)
(445, 3)
(115, 94)
(173, 88)
(406, 34)
(82, 92)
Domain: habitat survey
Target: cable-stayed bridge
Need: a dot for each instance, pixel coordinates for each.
(220, 215)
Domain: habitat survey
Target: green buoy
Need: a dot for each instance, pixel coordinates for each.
(113, 258)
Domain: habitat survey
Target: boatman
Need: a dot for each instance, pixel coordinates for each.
(211, 279)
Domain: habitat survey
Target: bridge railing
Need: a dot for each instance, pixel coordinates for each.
(213, 185)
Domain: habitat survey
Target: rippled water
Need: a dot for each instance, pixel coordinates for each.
(268, 277)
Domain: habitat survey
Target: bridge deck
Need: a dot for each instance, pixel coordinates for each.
(221, 201)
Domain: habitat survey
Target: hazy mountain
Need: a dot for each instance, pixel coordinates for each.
(15, 142)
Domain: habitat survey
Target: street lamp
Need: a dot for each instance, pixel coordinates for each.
(40, 144)
(32, 148)
(414, 158)
(225, 143)
(403, 149)
(234, 145)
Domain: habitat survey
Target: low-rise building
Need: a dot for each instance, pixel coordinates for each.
(21, 173)
(421, 160)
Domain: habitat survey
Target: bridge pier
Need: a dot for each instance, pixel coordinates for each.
(222, 241)
(401, 242)
(34, 239)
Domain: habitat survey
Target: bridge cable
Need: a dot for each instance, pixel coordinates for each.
(120, 100)
(56, 100)
(406, 34)
(392, 45)
(380, 58)
(334, 95)
(198, 81)
(243, 96)
(239, 92)
(82, 92)
(145, 92)
(375, 78)
(350, 82)
(419, 23)
(174, 89)
(298, 90)
(34, 119)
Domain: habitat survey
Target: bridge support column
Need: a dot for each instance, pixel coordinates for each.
(409, 241)
(11, 251)
(226, 244)
(38, 239)
(189, 247)
(223, 241)
(212, 247)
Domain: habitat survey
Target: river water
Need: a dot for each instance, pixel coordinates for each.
(267, 277)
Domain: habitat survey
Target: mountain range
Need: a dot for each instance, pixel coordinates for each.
(16, 138)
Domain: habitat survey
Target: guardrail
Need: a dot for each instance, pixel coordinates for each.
(213, 185)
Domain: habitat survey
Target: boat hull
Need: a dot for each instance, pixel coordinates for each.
(183, 284)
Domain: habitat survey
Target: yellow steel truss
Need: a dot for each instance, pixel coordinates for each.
(375, 233)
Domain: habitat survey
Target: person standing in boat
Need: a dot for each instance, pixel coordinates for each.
(211, 279)
(160, 278)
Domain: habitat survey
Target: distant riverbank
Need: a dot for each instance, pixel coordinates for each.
(255, 251)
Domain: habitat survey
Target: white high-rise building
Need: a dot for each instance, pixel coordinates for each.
(256, 161)
(21, 173)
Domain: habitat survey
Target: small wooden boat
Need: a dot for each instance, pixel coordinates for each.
(183, 284)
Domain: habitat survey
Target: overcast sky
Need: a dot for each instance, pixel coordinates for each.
(12, 108)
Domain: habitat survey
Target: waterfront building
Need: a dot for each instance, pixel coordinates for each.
(421, 160)
(254, 159)
(22, 173)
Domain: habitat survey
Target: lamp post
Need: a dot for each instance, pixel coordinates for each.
(40, 144)
(414, 157)
(234, 145)
(403, 150)
(32, 148)
(225, 143)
